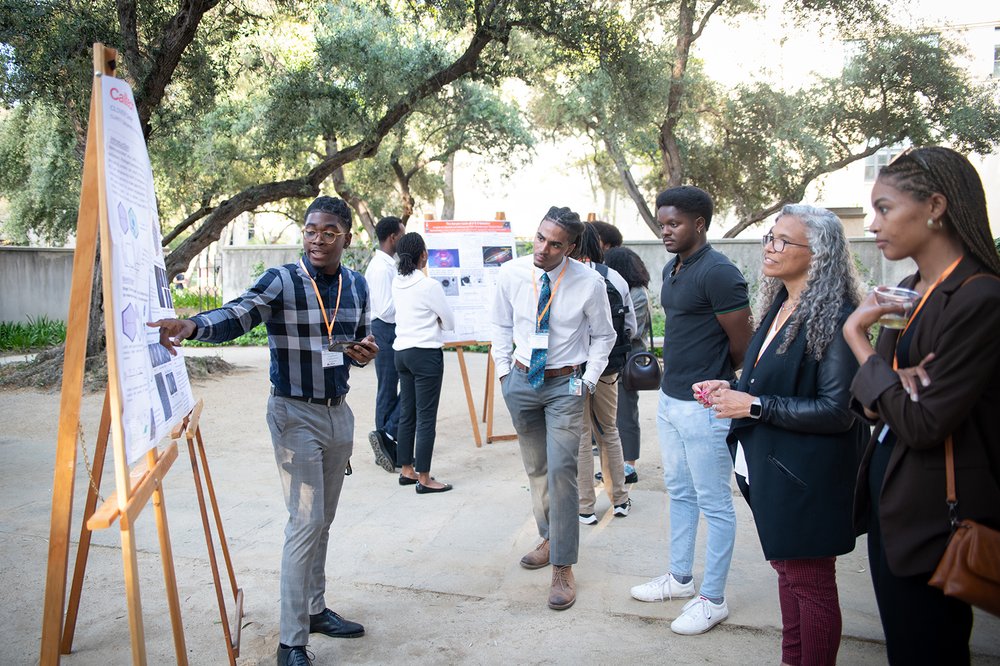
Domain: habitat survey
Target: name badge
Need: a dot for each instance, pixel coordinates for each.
(540, 340)
(332, 359)
(576, 386)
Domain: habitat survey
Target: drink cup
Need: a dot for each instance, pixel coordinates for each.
(906, 298)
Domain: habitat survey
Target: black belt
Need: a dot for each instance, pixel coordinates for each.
(329, 402)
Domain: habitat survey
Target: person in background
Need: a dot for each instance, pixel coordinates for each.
(551, 319)
(600, 409)
(310, 308)
(610, 236)
(936, 380)
(422, 314)
(380, 274)
(630, 266)
(793, 435)
(704, 298)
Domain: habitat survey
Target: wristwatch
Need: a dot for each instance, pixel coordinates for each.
(755, 409)
(591, 387)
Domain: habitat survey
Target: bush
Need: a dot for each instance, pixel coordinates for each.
(36, 334)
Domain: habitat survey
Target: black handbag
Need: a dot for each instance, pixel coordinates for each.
(642, 369)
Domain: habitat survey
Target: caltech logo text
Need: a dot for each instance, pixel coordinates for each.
(120, 96)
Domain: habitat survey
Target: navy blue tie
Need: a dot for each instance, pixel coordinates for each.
(536, 371)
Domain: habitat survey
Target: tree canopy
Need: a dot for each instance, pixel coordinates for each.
(259, 105)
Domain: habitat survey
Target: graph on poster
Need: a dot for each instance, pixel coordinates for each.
(155, 392)
(465, 258)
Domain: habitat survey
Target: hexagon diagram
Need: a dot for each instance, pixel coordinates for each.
(130, 322)
(122, 218)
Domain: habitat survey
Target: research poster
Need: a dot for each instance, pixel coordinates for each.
(155, 391)
(465, 257)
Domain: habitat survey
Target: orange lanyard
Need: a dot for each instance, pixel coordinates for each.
(534, 283)
(322, 308)
(923, 299)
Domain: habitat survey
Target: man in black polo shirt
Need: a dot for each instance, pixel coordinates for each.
(708, 327)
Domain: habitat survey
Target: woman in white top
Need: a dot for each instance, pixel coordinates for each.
(422, 314)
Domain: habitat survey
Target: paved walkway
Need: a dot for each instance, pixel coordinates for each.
(434, 578)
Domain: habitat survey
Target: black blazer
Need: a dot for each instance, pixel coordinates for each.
(802, 453)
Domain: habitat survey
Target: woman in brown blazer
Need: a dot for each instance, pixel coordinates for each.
(939, 376)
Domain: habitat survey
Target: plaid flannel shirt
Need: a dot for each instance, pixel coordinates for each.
(284, 300)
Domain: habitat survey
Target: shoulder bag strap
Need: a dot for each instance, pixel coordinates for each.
(649, 318)
(949, 471)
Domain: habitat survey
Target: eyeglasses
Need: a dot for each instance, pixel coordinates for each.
(325, 237)
(779, 243)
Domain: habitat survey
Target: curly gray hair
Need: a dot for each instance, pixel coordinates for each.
(832, 282)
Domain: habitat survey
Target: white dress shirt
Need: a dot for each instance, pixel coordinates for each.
(422, 312)
(379, 275)
(580, 328)
(619, 283)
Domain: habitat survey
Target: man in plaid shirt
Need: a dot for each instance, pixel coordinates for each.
(317, 317)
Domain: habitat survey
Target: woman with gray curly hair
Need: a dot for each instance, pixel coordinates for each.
(793, 436)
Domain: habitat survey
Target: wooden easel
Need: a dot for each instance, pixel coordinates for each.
(133, 488)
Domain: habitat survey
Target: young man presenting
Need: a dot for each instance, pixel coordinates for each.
(379, 275)
(708, 327)
(552, 334)
(312, 310)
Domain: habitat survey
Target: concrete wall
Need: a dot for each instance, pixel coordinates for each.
(35, 282)
(242, 264)
(746, 254)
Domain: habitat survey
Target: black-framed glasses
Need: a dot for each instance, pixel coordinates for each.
(779, 243)
(325, 237)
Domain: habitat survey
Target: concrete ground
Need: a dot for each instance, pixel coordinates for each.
(434, 578)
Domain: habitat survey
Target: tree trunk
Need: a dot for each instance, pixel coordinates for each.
(614, 150)
(96, 343)
(355, 201)
(308, 185)
(448, 209)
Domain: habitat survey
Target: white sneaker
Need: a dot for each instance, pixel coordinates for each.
(588, 519)
(621, 510)
(663, 588)
(698, 616)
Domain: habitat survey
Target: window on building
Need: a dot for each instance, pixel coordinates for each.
(996, 60)
(874, 163)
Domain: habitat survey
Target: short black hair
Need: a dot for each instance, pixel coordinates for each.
(387, 226)
(332, 206)
(566, 219)
(689, 199)
(589, 245)
(608, 233)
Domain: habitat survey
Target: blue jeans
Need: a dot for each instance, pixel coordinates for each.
(698, 473)
(387, 396)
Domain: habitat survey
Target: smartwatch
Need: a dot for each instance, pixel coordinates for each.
(755, 409)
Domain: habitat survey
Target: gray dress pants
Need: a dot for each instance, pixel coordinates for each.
(312, 444)
(549, 423)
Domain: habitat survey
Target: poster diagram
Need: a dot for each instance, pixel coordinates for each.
(154, 385)
(465, 257)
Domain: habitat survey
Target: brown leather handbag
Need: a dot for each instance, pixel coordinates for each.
(970, 567)
(642, 369)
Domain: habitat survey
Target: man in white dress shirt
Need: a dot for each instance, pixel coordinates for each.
(380, 273)
(552, 334)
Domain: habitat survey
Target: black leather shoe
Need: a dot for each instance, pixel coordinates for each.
(406, 481)
(294, 656)
(333, 625)
(422, 489)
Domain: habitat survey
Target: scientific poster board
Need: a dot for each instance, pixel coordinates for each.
(155, 391)
(465, 258)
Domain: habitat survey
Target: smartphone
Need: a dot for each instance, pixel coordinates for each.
(342, 345)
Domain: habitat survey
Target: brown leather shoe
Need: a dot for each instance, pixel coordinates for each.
(537, 558)
(563, 592)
